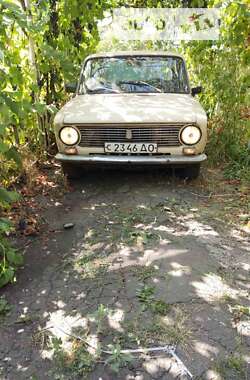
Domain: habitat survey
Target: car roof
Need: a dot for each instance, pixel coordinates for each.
(133, 53)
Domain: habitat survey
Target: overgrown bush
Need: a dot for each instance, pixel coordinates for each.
(222, 69)
(9, 257)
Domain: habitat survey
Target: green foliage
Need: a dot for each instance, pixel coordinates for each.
(145, 295)
(232, 365)
(99, 316)
(4, 306)
(6, 198)
(79, 363)
(9, 257)
(160, 307)
(117, 359)
(221, 67)
(41, 47)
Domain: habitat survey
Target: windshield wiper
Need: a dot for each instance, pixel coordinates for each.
(139, 83)
(101, 88)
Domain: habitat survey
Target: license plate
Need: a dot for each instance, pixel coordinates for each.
(130, 148)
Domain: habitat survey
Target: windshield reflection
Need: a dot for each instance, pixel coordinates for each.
(136, 74)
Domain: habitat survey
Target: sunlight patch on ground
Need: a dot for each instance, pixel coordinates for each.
(179, 270)
(166, 229)
(60, 325)
(212, 375)
(151, 255)
(154, 366)
(115, 319)
(196, 228)
(243, 328)
(205, 349)
(213, 289)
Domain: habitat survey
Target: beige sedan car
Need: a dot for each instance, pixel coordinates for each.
(132, 108)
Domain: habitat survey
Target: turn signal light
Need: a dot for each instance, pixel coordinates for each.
(189, 151)
(70, 150)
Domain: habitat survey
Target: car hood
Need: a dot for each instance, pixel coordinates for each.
(131, 108)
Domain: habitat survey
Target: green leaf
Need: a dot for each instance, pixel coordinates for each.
(7, 197)
(12, 154)
(5, 225)
(2, 130)
(13, 257)
(13, 105)
(3, 148)
(6, 275)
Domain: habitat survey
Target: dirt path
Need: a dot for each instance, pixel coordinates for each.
(150, 261)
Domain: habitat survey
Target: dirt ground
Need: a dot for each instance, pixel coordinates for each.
(151, 260)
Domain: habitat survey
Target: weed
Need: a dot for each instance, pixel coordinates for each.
(117, 359)
(91, 267)
(42, 339)
(4, 306)
(234, 363)
(10, 259)
(79, 362)
(227, 298)
(144, 273)
(157, 332)
(142, 237)
(176, 329)
(242, 310)
(145, 296)
(59, 355)
(160, 307)
(239, 168)
(99, 316)
(85, 259)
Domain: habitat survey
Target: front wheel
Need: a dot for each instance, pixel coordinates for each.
(70, 170)
(189, 172)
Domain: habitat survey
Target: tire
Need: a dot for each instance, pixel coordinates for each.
(189, 172)
(71, 171)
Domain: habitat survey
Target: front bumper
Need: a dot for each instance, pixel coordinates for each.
(139, 160)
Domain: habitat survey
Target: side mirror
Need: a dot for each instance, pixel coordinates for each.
(196, 90)
(70, 87)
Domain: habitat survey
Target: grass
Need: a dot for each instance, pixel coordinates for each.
(91, 265)
(233, 363)
(160, 307)
(176, 329)
(145, 272)
(172, 329)
(242, 310)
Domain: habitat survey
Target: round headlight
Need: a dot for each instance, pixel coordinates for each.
(190, 135)
(69, 135)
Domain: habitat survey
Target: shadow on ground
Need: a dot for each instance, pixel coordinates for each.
(150, 261)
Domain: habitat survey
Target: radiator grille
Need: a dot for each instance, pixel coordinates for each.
(163, 135)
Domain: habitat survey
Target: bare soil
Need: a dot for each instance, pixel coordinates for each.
(150, 260)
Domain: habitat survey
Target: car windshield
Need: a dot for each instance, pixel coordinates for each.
(134, 74)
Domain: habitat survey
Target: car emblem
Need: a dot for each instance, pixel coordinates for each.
(129, 135)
